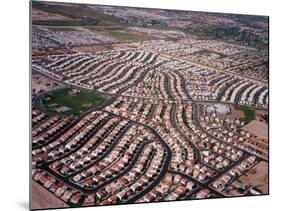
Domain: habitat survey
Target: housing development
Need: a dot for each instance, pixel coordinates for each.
(134, 105)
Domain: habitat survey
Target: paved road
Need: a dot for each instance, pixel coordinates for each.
(209, 67)
(175, 125)
(165, 167)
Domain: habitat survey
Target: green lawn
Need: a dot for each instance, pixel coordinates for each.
(249, 113)
(124, 36)
(120, 33)
(76, 103)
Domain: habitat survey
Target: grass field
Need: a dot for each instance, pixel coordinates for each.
(68, 102)
(249, 113)
(120, 33)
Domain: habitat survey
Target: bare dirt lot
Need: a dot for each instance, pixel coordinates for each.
(43, 199)
(238, 113)
(258, 128)
(38, 15)
(257, 177)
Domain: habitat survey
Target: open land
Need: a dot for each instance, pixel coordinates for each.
(42, 198)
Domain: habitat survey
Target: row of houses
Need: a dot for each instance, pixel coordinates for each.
(172, 187)
(227, 178)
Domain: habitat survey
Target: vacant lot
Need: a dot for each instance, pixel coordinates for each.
(260, 129)
(257, 177)
(43, 199)
(79, 15)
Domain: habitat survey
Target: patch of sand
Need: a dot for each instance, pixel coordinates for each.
(238, 113)
(43, 199)
(260, 129)
(257, 176)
